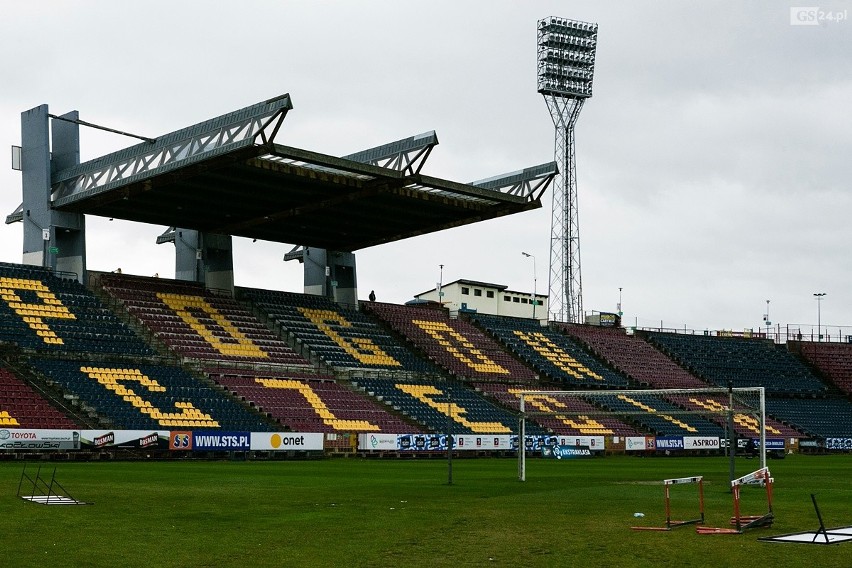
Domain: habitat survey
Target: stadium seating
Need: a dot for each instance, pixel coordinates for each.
(198, 324)
(820, 418)
(661, 417)
(342, 338)
(635, 357)
(833, 360)
(580, 418)
(741, 362)
(22, 407)
(745, 424)
(68, 335)
(45, 313)
(308, 403)
(144, 397)
(555, 356)
(455, 345)
(427, 403)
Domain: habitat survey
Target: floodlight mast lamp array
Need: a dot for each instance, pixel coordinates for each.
(566, 64)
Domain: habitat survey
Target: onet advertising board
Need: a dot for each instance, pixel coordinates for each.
(286, 441)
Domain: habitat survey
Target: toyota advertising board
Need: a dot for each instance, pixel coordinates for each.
(39, 439)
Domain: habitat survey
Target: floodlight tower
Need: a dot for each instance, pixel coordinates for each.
(566, 65)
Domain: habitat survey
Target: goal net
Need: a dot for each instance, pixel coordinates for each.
(726, 414)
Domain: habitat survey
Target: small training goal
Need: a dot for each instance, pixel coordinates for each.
(674, 523)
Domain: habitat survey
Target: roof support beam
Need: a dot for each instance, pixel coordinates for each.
(16, 215)
(167, 236)
(407, 155)
(529, 182)
(245, 127)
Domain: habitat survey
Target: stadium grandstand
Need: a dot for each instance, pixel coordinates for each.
(137, 353)
(103, 353)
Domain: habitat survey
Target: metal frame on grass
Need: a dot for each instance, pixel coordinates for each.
(740, 521)
(53, 492)
(670, 524)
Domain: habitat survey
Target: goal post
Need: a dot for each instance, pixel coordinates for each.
(729, 409)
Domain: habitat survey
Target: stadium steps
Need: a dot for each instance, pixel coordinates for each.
(607, 355)
(288, 315)
(504, 330)
(386, 405)
(198, 372)
(296, 345)
(117, 307)
(400, 319)
(828, 362)
(54, 395)
(398, 336)
(685, 365)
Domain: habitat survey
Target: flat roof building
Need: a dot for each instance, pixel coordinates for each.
(488, 298)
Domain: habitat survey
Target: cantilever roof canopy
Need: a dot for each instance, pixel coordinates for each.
(227, 176)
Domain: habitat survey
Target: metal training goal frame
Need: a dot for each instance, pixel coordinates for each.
(742, 522)
(697, 480)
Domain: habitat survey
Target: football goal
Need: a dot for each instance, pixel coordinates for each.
(726, 413)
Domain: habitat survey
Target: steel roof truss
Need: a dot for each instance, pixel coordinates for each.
(407, 155)
(529, 183)
(171, 151)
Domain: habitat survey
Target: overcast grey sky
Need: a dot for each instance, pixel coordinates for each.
(713, 159)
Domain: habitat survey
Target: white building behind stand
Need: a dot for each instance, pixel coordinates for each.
(487, 298)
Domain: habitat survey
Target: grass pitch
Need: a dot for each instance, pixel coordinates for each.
(351, 512)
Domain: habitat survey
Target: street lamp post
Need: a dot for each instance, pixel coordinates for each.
(819, 296)
(620, 313)
(535, 281)
(766, 319)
